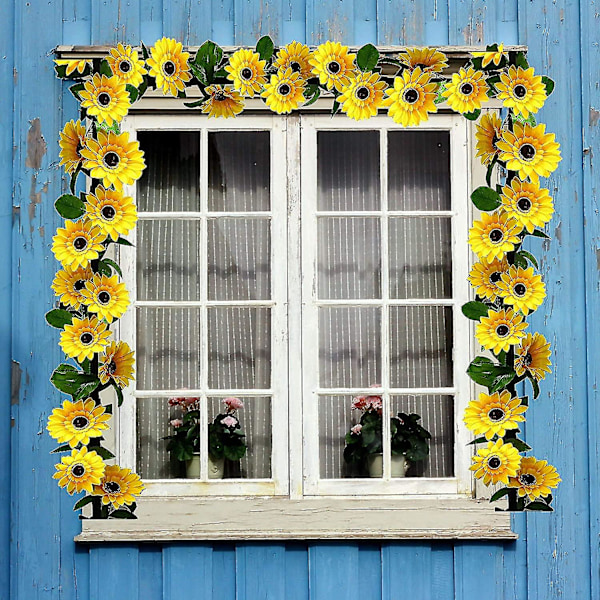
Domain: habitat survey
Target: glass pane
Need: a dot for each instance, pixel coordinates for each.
(420, 346)
(255, 423)
(239, 171)
(349, 346)
(239, 259)
(168, 348)
(167, 260)
(171, 179)
(419, 170)
(239, 348)
(348, 170)
(349, 258)
(437, 416)
(420, 257)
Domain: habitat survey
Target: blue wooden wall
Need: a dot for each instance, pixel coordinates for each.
(557, 556)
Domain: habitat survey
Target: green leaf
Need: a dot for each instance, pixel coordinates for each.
(539, 233)
(519, 260)
(68, 379)
(143, 87)
(520, 445)
(530, 257)
(122, 514)
(475, 310)
(105, 68)
(472, 116)
(367, 57)
(479, 440)
(199, 73)
(59, 318)
(521, 60)
(501, 381)
(335, 108)
(83, 502)
(490, 170)
(549, 84)
(69, 207)
(124, 242)
(484, 371)
(119, 393)
(75, 89)
(145, 53)
(113, 264)
(234, 453)
(85, 389)
(195, 103)
(103, 452)
(500, 494)
(265, 47)
(133, 93)
(312, 93)
(539, 506)
(485, 198)
(61, 71)
(63, 448)
(103, 268)
(534, 385)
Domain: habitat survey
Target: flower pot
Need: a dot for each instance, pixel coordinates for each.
(399, 465)
(215, 467)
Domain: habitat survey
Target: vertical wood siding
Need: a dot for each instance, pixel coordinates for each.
(556, 556)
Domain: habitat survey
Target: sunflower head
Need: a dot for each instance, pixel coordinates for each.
(79, 471)
(494, 414)
(333, 65)
(84, 337)
(105, 98)
(294, 56)
(126, 65)
(112, 212)
(72, 140)
(534, 478)
(247, 71)
(363, 95)
(496, 463)
(284, 92)
(490, 55)
(426, 59)
(412, 97)
(118, 486)
(106, 297)
(116, 363)
(467, 90)
(77, 243)
(114, 159)
(77, 422)
(222, 102)
(169, 66)
(527, 203)
(488, 132)
(485, 277)
(521, 90)
(68, 284)
(493, 236)
(521, 289)
(530, 151)
(77, 65)
(533, 356)
(500, 330)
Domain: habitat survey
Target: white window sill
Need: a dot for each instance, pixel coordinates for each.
(194, 518)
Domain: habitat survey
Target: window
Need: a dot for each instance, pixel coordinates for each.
(298, 262)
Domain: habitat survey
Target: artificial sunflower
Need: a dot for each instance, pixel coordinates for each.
(222, 102)
(169, 66)
(494, 236)
(84, 337)
(412, 97)
(485, 276)
(494, 414)
(332, 64)
(110, 211)
(534, 478)
(77, 243)
(247, 71)
(488, 132)
(116, 363)
(467, 91)
(68, 284)
(126, 65)
(284, 92)
(521, 90)
(105, 98)
(533, 355)
(114, 159)
(106, 297)
(72, 140)
(78, 64)
(77, 422)
(363, 95)
(496, 463)
(500, 330)
(80, 471)
(118, 486)
(527, 203)
(294, 56)
(522, 289)
(427, 59)
(530, 151)
(490, 56)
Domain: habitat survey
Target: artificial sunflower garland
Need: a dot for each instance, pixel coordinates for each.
(410, 87)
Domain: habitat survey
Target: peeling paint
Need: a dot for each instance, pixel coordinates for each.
(594, 116)
(15, 76)
(598, 259)
(42, 231)
(558, 233)
(36, 145)
(15, 382)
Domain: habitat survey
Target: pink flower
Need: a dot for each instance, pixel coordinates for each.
(229, 421)
(356, 429)
(233, 404)
(176, 423)
(358, 403)
(374, 403)
(174, 401)
(189, 401)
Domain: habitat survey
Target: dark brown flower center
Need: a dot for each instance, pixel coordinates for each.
(169, 68)
(527, 479)
(527, 151)
(524, 204)
(220, 96)
(80, 243)
(78, 470)
(334, 67)
(112, 367)
(246, 73)
(295, 66)
(520, 91)
(495, 277)
(527, 359)
(104, 297)
(494, 462)
(502, 330)
(519, 290)
(284, 89)
(103, 99)
(410, 96)
(111, 487)
(111, 160)
(467, 88)
(496, 414)
(362, 93)
(125, 66)
(496, 235)
(79, 285)
(80, 422)
(108, 212)
(86, 338)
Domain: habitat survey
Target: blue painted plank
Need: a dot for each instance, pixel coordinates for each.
(507, 26)
(472, 22)
(442, 571)
(255, 18)
(365, 22)
(436, 23)
(260, 571)
(478, 571)
(77, 22)
(188, 21)
(187, 572)
(369, 581)
(330, 21)
(515, 561)
(296, 572)
(222, 22)
(106, 26)
(223, 575)
(401, 23)
(293, 27)
(150, 584)
(114, 570)
(151, 21)
(333, 571)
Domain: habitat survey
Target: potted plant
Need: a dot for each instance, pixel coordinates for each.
(364, 441)
(225, 437)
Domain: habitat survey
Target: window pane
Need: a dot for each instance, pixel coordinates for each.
(348, 170)
(167, 260)
(255, 422)
(420, 257)
(349, 261)
(239, 171)
(171, 179)
(239, 259)
(239, 348)
(419, 170)
(168, 348)
(420, 346)
(349, 346)
(437, 416)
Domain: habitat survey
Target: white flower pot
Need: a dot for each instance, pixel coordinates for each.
(399, 465)
(215, 467)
